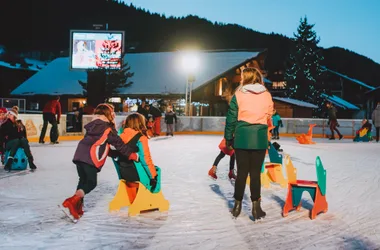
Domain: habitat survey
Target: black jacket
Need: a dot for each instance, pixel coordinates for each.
(331, 112)
(155, 112)
(10, 131)
(169, 117)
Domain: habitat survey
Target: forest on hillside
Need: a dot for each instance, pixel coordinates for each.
(44, 25)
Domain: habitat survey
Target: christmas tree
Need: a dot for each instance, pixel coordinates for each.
(303, 69)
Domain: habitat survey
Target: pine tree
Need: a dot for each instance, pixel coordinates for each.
(104, 83)
(304, 66)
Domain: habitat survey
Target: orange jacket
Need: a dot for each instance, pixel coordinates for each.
(144, 154)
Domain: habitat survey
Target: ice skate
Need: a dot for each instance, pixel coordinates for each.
(232, 175)
(257, 212)
(71, 206)
(236, 209)
(212, 173)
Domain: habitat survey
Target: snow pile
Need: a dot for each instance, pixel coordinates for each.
(199, 207)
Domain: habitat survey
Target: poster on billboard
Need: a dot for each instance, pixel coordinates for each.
(96, 49)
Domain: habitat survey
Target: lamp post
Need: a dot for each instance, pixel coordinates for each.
(190, 63)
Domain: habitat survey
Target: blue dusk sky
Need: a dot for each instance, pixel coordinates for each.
(350, 24)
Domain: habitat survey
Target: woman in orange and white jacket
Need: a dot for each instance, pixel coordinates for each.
(246, 130)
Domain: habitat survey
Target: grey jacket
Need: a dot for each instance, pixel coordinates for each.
(376, 116)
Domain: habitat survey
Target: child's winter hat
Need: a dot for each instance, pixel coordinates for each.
(3, 111)
(13, 111)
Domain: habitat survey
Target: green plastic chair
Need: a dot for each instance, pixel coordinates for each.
(321, 181)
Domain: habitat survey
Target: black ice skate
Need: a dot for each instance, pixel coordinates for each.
(257, 212)
(236, 209)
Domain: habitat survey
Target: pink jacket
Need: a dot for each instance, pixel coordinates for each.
(255, 104)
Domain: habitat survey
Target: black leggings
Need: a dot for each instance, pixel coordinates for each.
(87, 177)
(249, 161)
(221, 156)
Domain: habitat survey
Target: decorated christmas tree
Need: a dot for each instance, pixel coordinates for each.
(303, 69)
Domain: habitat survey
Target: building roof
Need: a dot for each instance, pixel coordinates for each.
(154, 73)
(295, 102)
(350, 79)
(34, 65)
(340, 102)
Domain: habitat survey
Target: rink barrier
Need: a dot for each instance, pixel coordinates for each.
(198, 125)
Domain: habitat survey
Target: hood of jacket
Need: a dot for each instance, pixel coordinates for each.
(254, 88)
(128, 134)
(97, 125)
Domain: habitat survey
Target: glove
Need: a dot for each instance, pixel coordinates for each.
(153, 183)
(229, 144)
(58, 122)
(133, 157)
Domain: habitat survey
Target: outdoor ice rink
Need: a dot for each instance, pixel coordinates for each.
(199, 215)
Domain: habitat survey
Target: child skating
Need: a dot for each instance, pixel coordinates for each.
(224, 150)
(91, 155)
(135, 133)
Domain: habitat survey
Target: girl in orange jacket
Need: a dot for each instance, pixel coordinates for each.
(134, 128)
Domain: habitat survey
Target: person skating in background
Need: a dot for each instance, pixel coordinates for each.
(333, 122)
(277, 123)
(156, 113)
(13, 137)
(143, 109)
(3, 118)
(376, 120)
(135, 133)
(170, 119)
(150, 127)
(246, 131)
(51, 114)
(224, 150)
(91, 154)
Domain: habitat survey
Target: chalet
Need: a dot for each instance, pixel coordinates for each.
(346, 93)
(157, 76)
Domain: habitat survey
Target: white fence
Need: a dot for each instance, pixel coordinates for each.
(348, 127)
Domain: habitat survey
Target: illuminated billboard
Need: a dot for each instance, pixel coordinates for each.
(96, 49)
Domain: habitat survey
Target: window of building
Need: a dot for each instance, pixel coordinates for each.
(279, 85)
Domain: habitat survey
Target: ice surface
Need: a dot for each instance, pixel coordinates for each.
(199, 215)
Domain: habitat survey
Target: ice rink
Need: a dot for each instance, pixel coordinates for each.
(199, 216)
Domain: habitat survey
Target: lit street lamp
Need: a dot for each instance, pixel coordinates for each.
(190, 63)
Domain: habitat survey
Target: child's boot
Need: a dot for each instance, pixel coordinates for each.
(232, 174)
(8, 166)
(31, 163)
(212, 172)
(72, 204)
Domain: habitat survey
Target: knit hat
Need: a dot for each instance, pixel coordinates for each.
(3, 111)
(13, 111)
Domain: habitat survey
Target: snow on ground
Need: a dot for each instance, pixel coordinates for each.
(199, 207)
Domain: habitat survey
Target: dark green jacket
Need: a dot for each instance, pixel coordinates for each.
(332, 113)
(244, 134)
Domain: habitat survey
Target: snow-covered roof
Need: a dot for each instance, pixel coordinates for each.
(295, 102)
(35, 65)
(351, 79)
(340, 102)
(154, 73)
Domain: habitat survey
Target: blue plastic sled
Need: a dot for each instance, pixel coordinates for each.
(20, 161)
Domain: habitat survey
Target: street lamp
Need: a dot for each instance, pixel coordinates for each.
(190, 63)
